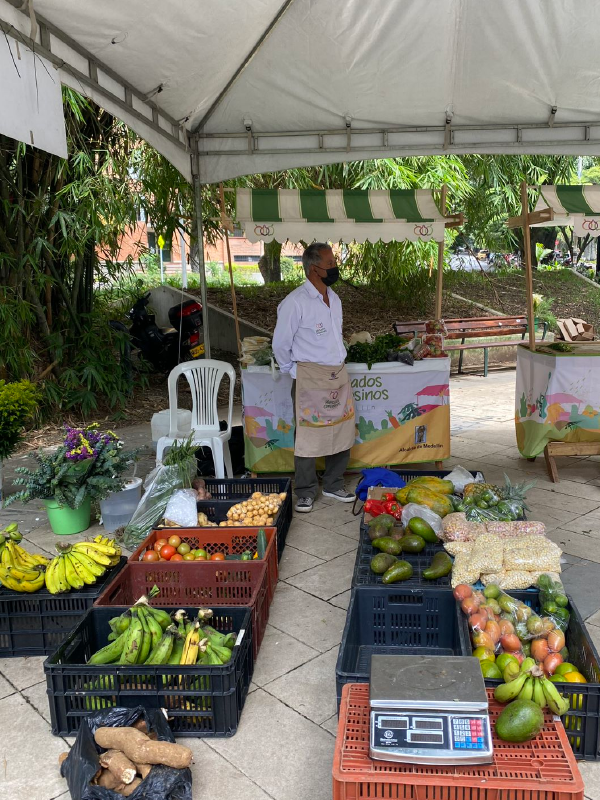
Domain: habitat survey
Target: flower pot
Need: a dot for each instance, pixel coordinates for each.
(66, 521)
(117, 509)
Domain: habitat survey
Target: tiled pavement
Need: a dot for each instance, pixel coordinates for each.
(284, 746)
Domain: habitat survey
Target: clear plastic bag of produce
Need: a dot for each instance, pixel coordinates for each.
(476, 514)
(455, 528)
(411, 510)
(159, 486)
(532, 554)
(182, 508)
(553, 600)
(487, 554)
(511, 579)
(508, 530)
(82, 764)
(460, 477)
(463, 571)
(511, 509)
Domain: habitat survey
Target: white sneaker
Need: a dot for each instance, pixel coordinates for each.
(341, 494)
(304, 505)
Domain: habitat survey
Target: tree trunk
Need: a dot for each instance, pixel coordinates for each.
(597, 257)
(270, 263)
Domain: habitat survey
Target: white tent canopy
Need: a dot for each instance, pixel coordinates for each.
(261, 85)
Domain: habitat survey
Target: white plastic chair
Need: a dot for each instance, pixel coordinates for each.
(204, 378)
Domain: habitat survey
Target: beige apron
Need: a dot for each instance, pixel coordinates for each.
(324, 410)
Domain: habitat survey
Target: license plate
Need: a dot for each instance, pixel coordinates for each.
(197, 351)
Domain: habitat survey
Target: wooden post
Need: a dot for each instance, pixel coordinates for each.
(233, 297)
(440, 262)
(528, 268)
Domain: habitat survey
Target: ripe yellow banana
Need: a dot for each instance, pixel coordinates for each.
(191, 645)
(14, 584)
(33, 559)
(73, 579)
(6, 557)
(60, 575)
(25, 574)
(92, 551)
(50, 576)
(9, 582)
(93, 566)
(83, 573)
(33, 586)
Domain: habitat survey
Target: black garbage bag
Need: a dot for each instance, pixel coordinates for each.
(162, 783)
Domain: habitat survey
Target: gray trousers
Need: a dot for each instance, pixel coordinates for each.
(306, 481)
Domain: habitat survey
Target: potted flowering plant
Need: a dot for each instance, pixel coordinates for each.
(88, 466)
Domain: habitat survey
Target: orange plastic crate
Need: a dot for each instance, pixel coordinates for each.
(230, 541)
(542, 769)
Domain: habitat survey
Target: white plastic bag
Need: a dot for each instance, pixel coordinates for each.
(411, 510)
(460, 477)
(182, 508)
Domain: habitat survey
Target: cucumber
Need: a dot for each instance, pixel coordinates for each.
(261, 543)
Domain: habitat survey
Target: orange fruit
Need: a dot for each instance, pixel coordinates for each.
(574, 677)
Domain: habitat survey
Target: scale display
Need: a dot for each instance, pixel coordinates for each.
(429, 711)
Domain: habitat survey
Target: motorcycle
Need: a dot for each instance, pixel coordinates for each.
(165, 348)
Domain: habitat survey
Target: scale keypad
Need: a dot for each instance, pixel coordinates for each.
(468, 734)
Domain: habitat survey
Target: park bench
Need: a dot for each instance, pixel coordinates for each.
(475, 327)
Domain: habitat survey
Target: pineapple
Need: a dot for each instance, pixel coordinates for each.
(515, 492)
(475, 490)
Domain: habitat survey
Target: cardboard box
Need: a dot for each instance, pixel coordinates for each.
(575, 330)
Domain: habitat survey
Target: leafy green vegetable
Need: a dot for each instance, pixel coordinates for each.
(376, 351)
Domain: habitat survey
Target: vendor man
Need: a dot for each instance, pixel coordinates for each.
(308, 344)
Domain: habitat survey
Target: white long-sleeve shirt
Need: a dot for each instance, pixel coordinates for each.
(308, 329)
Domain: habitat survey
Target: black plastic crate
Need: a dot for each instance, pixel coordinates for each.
(364, 576)
(200, 701)
(394, 620)
(226, 492)
(582, 723)
(35, 624)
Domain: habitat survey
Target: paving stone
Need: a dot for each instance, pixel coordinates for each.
(342, 600)
(331, 725)
(588, 491)
(333, 516)
(474, 448)
(319, 542)
(288, 756)
(23, 672)
(328, 579)
(37, 695)
(6, 688)
(582, 583)
(310, 689)
(350, 529)
(294, 561)
(314, 622)
(551, 517)
(548, 498)
(45, 538)
(279, 654)
(590, 772)
(587, 524)
(25, 740)
(594, 632)
(580, 470)
(215, 778)
(578, 544)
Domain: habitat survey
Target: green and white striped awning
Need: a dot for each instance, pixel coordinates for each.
(577, 206)
(339, 215)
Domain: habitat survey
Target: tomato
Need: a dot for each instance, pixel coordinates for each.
(183, 548)
(201, 555)
(151, 555)
(189, 557)
(167, 552)
(176, 557)
(159, 543)
(174, 541)
(217, 557)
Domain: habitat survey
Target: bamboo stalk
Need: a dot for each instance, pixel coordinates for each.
(233, 297)
(528, 269)
(440, 262)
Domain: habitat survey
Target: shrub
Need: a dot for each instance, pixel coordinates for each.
(18, 402)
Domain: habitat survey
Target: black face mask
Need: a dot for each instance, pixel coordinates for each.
(331, 276)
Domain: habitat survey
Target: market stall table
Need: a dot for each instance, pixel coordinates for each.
(402, 415)
(557, 401)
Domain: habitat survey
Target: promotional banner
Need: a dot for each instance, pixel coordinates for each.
(557, 399)
(402, 415)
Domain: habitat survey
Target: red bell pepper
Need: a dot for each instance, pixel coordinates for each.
(388, 496)
(394, 508)
(374, 507)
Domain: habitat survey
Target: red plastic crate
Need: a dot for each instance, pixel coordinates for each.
(231, 541)
(207, 584)
(542, 769)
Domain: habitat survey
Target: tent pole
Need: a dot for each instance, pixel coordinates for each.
(440, 262)
(201, 266)
(528, 269)
(233, 297)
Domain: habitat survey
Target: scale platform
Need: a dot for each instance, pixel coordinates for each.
(429, 710)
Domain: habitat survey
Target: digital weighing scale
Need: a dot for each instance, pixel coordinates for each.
(429, 710)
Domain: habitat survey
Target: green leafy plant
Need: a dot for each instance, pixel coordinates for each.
(18, 402)
(89, 464)
(542, 310)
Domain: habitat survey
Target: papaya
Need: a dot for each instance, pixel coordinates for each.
(382, 562)
(422, 529)
(440, 504)
(400, 571)
(402, 495)
(433, 484)
(411, 543)
(387, 545)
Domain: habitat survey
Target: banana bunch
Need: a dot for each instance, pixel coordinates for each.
(147, 635)
(81, 564)
(532, 684)
(12, 533)
(19, 570)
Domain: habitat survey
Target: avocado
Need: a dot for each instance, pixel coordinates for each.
(422, 529)
(400, 571)
(387, 545)
(440, 566)
(411, 543)
(520, 721)
(380, 526)
(382, 562)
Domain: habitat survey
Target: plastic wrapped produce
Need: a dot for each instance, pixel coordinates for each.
(462, 571)
(511, 579)
(487, 554)
(455, 528)
(460, 477)
(507, 530)
(553, 600)
(458, 548)
(415, 510)
(532, 553)
(182, 508)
